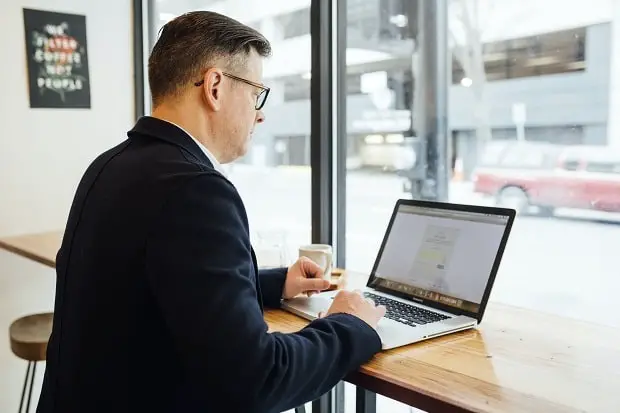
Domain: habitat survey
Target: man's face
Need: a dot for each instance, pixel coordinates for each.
(239, 116)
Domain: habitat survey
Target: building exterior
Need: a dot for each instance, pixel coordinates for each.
(547, 76)
(565, 101)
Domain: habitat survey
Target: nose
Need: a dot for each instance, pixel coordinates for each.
(260, 116)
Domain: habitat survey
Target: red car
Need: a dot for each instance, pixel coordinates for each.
(547, 176)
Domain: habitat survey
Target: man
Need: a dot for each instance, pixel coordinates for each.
(158, 300)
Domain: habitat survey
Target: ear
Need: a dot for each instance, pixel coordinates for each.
(213, 89)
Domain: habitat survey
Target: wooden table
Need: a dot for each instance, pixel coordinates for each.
(41, 248)
(517, 360)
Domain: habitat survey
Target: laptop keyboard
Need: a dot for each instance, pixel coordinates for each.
(405, 313)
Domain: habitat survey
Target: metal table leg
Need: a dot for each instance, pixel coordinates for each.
(323, 404)
(365, 401)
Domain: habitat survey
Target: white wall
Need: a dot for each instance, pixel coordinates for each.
(43, 153)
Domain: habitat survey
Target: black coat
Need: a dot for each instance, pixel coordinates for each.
(159, 302)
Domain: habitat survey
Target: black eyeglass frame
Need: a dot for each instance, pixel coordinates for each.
(264, 89)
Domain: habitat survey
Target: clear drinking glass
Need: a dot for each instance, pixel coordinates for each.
(271, 248)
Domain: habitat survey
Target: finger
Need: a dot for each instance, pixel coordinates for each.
(314, 284)
(381, 310)
(342, 294)
(321, 314)
(310, 269)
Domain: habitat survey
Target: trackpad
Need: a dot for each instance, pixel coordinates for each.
(308, 306)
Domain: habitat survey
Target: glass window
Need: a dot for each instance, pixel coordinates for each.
(541, 54)
(274, 177)
(560, 67)
(294, 24)
(603, 167)
(527, 156)
(298, 87)
(493, 152)
(570, 165)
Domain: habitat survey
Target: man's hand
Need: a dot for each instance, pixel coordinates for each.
(352, 302)
(305, 276)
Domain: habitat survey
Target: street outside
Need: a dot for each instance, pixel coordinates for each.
(567, 265)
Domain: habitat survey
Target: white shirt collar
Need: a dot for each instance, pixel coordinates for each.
(218, 167)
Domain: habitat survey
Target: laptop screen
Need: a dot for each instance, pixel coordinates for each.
(440, 255)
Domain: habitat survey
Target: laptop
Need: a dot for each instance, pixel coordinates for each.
(434, 271)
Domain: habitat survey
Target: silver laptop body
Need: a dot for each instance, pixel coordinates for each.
(434, 271)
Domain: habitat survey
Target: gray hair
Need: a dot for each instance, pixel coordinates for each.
(190, 43)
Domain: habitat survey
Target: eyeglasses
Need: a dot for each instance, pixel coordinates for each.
(260, 99)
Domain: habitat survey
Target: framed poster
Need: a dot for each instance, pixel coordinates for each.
(57, 57)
